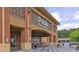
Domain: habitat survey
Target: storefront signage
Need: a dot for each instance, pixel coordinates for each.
(40, 21)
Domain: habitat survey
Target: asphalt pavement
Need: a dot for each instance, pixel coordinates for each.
(54, 49)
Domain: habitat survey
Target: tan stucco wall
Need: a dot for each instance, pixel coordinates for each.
(37, 27)
(17, 22)
(45, 39)
(5, 47)
(26, 46)
(50, 43)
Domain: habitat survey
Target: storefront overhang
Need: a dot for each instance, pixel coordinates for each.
(40, 33)
(17, 22)
(15, 28)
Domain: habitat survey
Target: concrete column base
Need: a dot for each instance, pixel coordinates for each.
(26, 46)
(5, 47)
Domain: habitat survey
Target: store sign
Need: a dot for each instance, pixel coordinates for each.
(41, 21)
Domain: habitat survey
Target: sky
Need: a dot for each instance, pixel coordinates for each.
(68, 17)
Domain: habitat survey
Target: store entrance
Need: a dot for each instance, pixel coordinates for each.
(38, 38)
(36, 42)
(15, 39)
(15, 42)
(12, 42)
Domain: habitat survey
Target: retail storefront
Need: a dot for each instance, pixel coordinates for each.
(21, 26)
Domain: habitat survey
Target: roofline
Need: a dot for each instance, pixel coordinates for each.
(46, 13)
(50, 16)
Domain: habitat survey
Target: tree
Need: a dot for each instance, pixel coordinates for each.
(65, 33)
(74, 36)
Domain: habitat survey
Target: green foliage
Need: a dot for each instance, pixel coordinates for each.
(62, 33)
(74, 36)
(78, 46)
(65, 33)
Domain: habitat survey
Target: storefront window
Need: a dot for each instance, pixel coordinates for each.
(17, 12)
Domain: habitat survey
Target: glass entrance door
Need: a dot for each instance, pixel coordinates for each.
(12, 42)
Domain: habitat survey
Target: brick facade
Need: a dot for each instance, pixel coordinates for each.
(24, 36)
(0, 25)
(7, 25)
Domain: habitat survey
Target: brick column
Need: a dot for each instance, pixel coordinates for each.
(5, 46)
(0, 25)
(51, 40)
(55, 39)
(53, 36)
(7, 25)
(26, 32)
(23, 36)
(28, 24)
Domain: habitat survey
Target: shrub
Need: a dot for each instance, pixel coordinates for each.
(74, 36)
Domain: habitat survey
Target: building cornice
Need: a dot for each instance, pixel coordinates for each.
(47, 14)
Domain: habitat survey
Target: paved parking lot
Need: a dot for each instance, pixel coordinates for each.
(54, 49)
